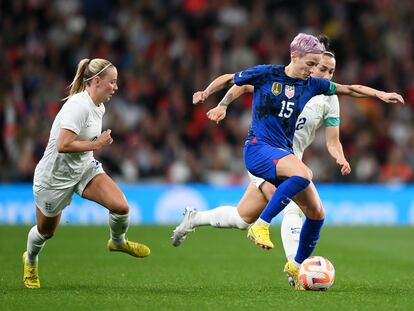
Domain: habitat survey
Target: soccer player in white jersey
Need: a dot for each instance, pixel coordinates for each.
(319, 110)
(68, 166)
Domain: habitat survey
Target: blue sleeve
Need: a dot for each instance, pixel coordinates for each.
(322, 86)
(255, 76)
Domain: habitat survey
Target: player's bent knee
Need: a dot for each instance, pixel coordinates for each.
(120, 209)
(310, 174)
(316, 214)
(321, 214)
(307, 174)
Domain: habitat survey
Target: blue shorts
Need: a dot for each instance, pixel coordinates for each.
(261, 160)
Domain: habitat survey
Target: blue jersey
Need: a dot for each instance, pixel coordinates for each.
(278, 100)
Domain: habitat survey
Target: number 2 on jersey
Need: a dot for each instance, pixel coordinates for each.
(301, 123)
(286, 110)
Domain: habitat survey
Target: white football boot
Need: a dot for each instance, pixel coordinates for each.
(184, 228)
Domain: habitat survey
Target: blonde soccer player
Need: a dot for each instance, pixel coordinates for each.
(68, 166)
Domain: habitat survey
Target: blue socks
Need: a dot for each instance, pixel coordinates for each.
(311, 229)
(283, 195)
(309, 237)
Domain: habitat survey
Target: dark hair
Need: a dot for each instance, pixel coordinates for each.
(325, 41)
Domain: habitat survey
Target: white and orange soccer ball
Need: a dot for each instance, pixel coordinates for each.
(316, 273)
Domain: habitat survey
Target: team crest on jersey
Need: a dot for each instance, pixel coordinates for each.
(276, 88)
(289, 91)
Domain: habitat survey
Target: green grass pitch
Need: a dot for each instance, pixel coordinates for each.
(213, 270)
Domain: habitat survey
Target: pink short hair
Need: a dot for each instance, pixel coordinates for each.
(304, 44)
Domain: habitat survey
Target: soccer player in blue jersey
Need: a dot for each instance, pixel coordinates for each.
(320, 110)
(280, 94)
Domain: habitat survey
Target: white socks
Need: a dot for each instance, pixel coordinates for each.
(290, 229)
(119, 226)
(220, 217)
(35, 243)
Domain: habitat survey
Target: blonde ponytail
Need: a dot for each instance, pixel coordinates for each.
(87, 70)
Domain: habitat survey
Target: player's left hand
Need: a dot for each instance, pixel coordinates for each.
(199, 97)
(345, 166)
(217, 114)
(392, 98)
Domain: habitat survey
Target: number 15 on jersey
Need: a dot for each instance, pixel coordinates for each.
(286, 110)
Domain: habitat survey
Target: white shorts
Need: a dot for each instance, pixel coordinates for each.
(257, 181)
(51, 201)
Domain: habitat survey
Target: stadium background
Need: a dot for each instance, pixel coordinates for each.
(166, 50)
(167, 155)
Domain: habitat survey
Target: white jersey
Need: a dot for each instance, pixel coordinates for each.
(63, 170)
(320, 109)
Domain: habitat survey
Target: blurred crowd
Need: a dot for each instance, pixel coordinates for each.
(166, 50)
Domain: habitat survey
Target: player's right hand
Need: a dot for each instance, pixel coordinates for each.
(392, 98)
(105, 138)
(217, 114)
(345, 166)
(199, 97)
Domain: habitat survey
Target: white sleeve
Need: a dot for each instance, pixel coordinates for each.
(74, 116)
(332, 110)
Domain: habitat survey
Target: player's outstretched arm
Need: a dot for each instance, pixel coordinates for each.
(218, 113)
(218, 84)
(335, 149)
(365, 91)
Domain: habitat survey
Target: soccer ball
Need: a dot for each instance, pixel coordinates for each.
(316, 273)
